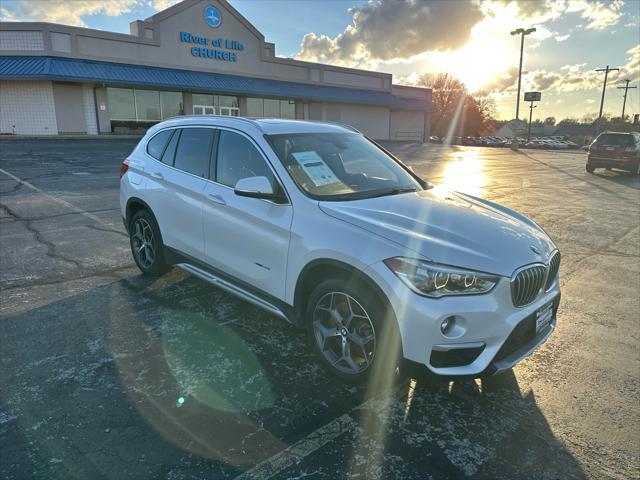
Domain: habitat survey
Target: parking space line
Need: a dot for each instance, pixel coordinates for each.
(299, 450)
(317, 439)
(53, 197)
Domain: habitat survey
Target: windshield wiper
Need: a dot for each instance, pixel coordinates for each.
(392, 191)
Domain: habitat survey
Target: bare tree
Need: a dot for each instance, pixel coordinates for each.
(448, 94)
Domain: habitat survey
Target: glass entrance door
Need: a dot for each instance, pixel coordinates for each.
(203, 110)
(229, 111)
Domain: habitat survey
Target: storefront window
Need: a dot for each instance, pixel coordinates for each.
(271, 108)
(148, 105)
(255, 107)
(203, 99)
(143, 105)
(226, 101)
(171, 103)
(287, 109)
(121, 104)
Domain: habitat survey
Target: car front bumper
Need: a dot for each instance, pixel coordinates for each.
(490, 334)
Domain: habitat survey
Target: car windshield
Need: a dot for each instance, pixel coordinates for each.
(615, 139)
(340, 166)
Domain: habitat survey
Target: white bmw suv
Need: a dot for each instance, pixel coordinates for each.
(325, 228)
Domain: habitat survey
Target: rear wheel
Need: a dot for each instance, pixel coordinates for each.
(352, 331)
(146, 244)
(590, 169)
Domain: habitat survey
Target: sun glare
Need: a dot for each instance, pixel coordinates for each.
(489, 52)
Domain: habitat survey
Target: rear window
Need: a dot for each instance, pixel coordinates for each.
(157, 144)
(616, 139)
(194, 151)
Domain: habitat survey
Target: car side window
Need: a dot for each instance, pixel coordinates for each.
(238, 158)
(157, 144)
(193, 153)
(170, 151)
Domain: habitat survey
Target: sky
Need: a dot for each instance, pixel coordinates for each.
(417, 39)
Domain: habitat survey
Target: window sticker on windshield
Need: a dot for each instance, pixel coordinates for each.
(318, 171)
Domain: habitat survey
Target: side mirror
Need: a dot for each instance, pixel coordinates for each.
(257, 187)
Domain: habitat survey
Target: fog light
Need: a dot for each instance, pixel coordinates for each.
(447, 325)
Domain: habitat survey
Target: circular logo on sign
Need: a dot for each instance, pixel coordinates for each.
(212, 16)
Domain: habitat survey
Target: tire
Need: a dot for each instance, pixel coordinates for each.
(589, 168)
(353, 332)
(146, 244)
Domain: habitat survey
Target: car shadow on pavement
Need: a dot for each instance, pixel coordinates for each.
(627, 179)
(621, 177)
(172, 378)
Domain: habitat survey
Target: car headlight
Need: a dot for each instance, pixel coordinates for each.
(433, 280)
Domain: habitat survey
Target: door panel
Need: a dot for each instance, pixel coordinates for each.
(69, 103)
(247, 238)
(176, 196)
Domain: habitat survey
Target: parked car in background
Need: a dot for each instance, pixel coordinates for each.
(278, 211)
(434, 139)
(534, 144)
(619, 150)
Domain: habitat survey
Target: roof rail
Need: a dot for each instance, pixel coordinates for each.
(226, 117)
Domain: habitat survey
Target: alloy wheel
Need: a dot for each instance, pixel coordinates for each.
(142, 242)
(344, 332)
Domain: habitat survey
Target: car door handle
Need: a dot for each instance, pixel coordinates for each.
(157, 175)
(216, 199)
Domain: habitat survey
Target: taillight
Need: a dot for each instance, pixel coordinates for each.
(124, 166)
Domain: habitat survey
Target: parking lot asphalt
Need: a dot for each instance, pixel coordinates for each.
(105, 374)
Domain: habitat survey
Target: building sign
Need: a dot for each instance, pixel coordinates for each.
(532, 96)
(213, 48)
(212, 16)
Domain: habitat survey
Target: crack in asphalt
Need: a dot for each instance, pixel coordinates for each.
(65, 278)
(50, 246)
(604, 250)
(110, 230)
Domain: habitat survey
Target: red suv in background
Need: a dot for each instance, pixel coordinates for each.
(615, 150)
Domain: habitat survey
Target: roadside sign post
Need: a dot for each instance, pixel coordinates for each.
(531, 97)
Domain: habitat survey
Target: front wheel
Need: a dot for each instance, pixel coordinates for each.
(146, 244)
(353, 332)
(590, 169)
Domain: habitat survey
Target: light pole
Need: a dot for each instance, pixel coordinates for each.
(522, 32)
(531, 107)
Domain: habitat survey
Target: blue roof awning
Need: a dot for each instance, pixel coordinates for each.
(59, 68)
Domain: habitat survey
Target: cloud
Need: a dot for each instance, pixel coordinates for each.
(600, 15)
(535, 11)
(504, 82)
(72, 12)
(159, 5)
(68, 13)
(631, 69)
(384, 30)
(577, 77)
(561, 38)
